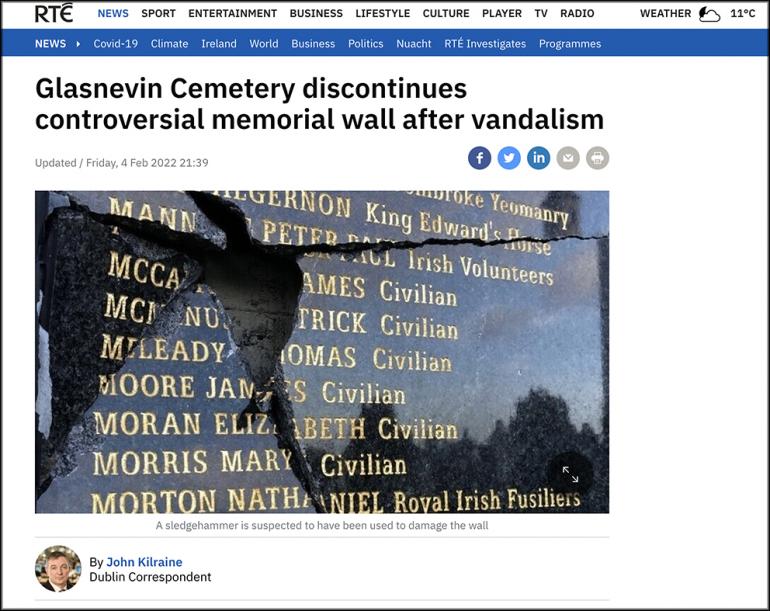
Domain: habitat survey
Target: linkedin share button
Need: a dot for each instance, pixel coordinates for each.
(538, 157)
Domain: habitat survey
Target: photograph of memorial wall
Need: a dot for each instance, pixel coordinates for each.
(322, 351)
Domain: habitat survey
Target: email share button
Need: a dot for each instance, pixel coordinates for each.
(568, 158)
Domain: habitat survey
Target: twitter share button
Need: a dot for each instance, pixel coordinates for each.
(509, 157)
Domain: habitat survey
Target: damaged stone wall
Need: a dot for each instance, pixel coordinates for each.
(262, 351)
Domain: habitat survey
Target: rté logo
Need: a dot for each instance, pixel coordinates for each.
(50, 13)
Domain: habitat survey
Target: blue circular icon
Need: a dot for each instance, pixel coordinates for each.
(538, 157)
(509, 157)
(479, 157)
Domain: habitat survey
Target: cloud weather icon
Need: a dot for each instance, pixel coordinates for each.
(708, 15)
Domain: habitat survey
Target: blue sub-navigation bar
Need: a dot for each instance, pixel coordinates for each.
(383, 42)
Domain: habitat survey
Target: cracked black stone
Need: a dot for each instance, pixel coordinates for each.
(257, 287)
(76, 255)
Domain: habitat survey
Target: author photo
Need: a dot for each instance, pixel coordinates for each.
(57, 568)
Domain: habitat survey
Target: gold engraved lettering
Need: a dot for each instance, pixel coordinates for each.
(423, 294)
(440, 225)
(378, 214)
(325, 428)
(546, 215)
(421, 326)
(149, 385)
(332, 285)
(150, 462)
(256, 460)
(146, 423)
(481, 268)
(434, 503)
(227, 388)
(192, 317)
(121, 347)
(138, 310)
(325, 204)
(271, 498)
(461, 198)
(411, 360)
(537, 248)
(440, 264)
(143, 271)
(477, 501)
(286, 233)
(369, 257)
(541, 498)
(166, 215)
(342, 321)
(420, 428)
(163, 501)
(365, 392)
(336, 465)
(310, 355)
(363, 501)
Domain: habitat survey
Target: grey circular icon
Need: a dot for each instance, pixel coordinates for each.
(568, 157)
(597, 157)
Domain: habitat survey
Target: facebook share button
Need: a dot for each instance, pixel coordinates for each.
(479, 157)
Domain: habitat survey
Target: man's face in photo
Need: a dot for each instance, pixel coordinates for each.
(58, 570)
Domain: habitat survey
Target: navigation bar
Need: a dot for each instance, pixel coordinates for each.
(381, 42)
(45, 14)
